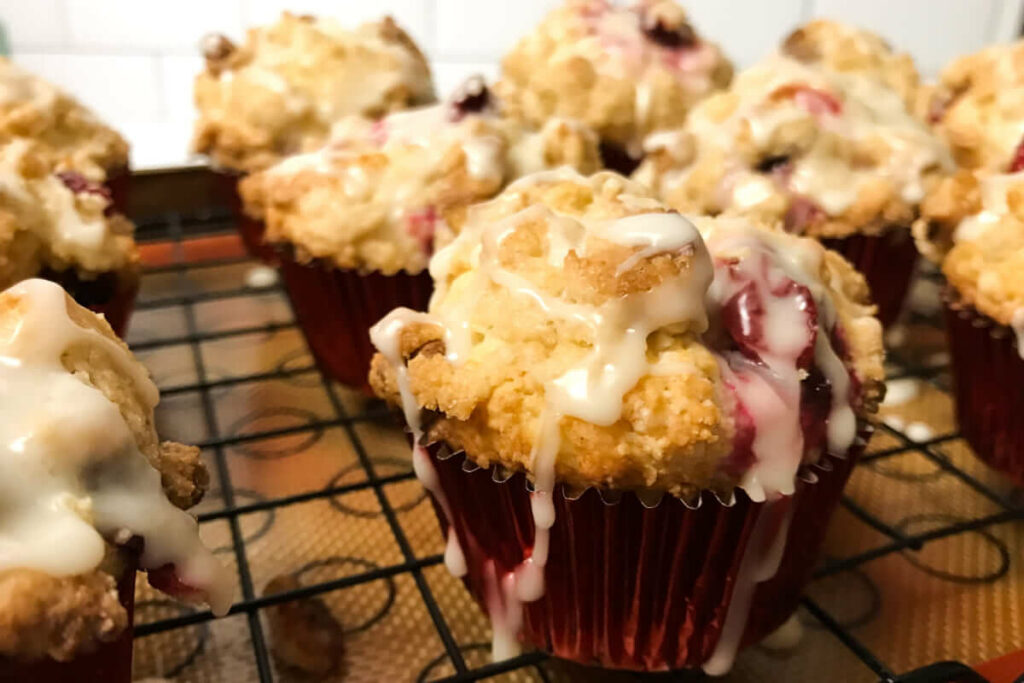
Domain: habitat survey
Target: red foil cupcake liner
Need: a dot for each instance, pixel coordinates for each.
(887, 262)
(336, 308)
(119, 182)
(109, 663)
(635, 587)
(118, 309)
(987, 371)
(250, 230)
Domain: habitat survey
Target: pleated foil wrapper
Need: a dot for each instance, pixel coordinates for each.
(118, 308)
(109, 663)
(633, 582)
(887, 262)
(336, 308)
(987, 373)
(250, 230)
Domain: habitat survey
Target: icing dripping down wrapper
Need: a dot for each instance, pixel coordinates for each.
(636, 587)
(988, 370)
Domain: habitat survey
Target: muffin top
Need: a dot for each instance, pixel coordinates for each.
(846, 48)
(280, 92)
(625, 71)
(978, 107)
(827, 153)
(85, 481)
(974, 224)
(68, 136)
(648, 351)
(56, 220)
(378, 196)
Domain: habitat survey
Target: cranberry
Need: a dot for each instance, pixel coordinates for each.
(421, 225)
(615, 157)
(775, 163)
(166, 580)
(472, 97)
(1018, 158)
(818, 102)
(79, 184)
(801, 213)
(672, 37)
(742, 457)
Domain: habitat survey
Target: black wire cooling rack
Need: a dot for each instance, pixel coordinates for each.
(176, 229)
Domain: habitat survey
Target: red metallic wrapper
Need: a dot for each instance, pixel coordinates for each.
(118, 308)
(887, 262)
(337, 307)
(635, 587)
(251, 231)
(109, 663)
(987, 371)
(111, 293)
(119, 182)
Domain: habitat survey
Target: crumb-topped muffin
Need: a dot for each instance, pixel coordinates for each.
(90, 493)
(62, 226)
(355, 223)
(68, 136)
(569, 259)
(828, 153)
(978, 107)
(280, 92)
(649, 355)
(974, 226)
(847, 48)
(376, 196)
(625, 71)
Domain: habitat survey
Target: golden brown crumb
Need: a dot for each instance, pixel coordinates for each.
(68, 136)
(593, 62)
(674, 429)
(280, 91)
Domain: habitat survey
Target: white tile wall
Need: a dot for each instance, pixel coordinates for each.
(133, 60)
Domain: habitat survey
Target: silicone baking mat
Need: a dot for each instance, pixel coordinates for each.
(338, 554)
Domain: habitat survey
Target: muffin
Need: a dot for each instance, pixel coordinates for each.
(69, 137)
(978, 107)
(685, 402)
(624, 71)
(832, 154)
(355, 222)
(61, 226)
(973, 224)
(280, 92)
(90, 495)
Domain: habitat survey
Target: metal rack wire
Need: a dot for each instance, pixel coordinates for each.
(176, 229)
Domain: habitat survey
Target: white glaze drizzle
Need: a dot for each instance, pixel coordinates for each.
(71, 474)
(386, 336)
(759, 564)
(762, 387)
(869, 111)
(995, 191)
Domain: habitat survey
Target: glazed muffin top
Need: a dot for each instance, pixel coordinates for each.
(827, 153)
(648, 352)
(378, 196)
(280, 92)
(978, 107)
(625, 71)
(84, 479)
(68, 136)
(974, 224)
(847, 48)
(56, 220)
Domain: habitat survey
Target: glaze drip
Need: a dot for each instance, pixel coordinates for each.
(71, 474)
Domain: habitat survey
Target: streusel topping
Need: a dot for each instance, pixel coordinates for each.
(280, 92)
